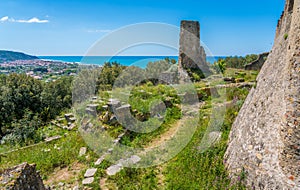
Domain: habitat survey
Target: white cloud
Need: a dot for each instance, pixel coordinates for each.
(99, 31)
(32, 20)
(3, 19)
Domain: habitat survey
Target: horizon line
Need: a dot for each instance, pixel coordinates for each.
(126, 55)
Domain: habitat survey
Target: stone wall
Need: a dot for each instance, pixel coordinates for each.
(191, 53)
(257, 64)
(168, 78)
(265, 137)
(21, 177)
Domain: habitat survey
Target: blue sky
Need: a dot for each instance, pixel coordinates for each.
(65, 27)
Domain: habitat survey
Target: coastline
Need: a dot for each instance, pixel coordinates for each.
(123, 60)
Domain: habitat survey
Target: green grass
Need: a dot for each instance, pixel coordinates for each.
(62, 153)
(190, 169)
(141, 99)
(249, 76)
(141, 139)
(132, 178)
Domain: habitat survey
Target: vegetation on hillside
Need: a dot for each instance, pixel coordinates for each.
(27, 104)
(237, 62)
(6, 56)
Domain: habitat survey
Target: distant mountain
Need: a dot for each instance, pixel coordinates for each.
(13, 56)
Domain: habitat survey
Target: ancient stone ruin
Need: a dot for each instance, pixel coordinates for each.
(265, 138)
(21, 177)
(191, 54)
(170, 76)
(257, 64)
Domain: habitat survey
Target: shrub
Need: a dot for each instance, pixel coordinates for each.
(220, 66)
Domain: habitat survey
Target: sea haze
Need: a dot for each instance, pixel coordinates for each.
(140, 61)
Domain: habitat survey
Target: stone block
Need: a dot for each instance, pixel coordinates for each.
(90, 172)
(88, 181)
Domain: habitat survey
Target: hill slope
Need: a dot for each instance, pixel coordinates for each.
(13, 56)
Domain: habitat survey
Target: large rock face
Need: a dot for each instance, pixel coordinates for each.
(265, 138)
(21, 177)
(191, 53)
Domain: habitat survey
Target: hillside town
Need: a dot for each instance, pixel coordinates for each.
(39, 69)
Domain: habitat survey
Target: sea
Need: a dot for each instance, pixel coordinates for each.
(140, 61)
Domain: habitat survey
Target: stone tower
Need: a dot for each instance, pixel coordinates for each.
(265, 137)
(191, 53)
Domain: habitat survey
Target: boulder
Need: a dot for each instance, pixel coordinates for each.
(113, 104)
(189, 98)
(23, 176)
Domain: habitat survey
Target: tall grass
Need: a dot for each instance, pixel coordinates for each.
(47, 156)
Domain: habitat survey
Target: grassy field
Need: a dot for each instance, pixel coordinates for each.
(190, 169)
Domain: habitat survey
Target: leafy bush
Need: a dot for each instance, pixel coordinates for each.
(220, 66)
(108, 75)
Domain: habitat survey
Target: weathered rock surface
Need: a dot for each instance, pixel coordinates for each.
(90, 172)
(191, 53)
(257, 64)
(87, 181)
(100, 160)
(21, 177)
(70, 118)
(114, 169)
(265, 138)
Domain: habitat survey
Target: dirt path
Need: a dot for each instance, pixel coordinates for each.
(164, 136)
(173, 129)
(103, 184)
(65, 174)
(169, 134)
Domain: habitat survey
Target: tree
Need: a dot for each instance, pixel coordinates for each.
(239, 62)
(56, 97)
(108, 75)
(18, 94)
(24, 99)
(250, 58)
